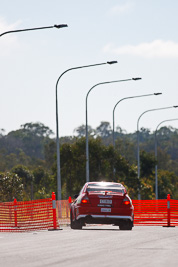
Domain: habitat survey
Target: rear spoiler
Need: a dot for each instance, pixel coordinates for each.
(124, 193)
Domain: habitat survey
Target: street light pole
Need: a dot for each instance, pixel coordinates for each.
(57, 123)
(87, 146)
(118, 103)
(138, 149)
(156, 166)
(39, 28)
(42, 28)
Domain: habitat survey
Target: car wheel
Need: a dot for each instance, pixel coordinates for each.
(75, 224)
(78, 224)
(126, 226)
(72, 223)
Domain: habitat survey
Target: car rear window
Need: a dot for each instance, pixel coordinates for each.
(113, 188)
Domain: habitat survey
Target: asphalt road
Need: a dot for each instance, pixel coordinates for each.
(93, 246)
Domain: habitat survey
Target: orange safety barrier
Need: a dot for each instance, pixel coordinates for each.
(163, 212)
(46, 213)
(28, 215)
(63, 211)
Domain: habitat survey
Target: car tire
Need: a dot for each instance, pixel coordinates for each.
(72, 224)
(126, 226)
(75, 225)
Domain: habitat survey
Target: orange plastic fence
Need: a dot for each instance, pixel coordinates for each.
(63, 211)
(174, 212)
(162, 212)
(150, 212)
(49, 213)
(28, 215)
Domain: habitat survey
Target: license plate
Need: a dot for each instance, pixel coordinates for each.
(105, 210)
(105, 201)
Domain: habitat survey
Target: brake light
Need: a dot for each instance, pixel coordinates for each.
(85, 200)
(126, 201)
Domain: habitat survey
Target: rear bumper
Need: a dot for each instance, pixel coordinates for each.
(104, 217)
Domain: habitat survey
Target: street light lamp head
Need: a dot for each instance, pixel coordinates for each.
(157, 93)
(136, 79)
(111, 62)
(60, 26)
(175, 106)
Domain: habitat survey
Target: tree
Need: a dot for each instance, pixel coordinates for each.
(126, 148)
(2, 131)
(104, 129)
(37, 129)
(81, 130)
(144, 134)
(11, 187)
(147, 188)
(27, 179)
(147, 164)
(30, 139)
(167, 184)
(31, 154)
(163, 159)
(103, 159)
(44, 183)
(50, 153)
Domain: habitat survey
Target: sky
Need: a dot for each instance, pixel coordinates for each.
(140, 35)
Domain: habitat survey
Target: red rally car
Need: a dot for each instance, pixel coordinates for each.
(102, 203)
